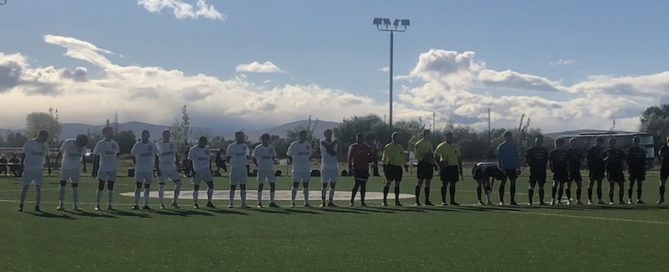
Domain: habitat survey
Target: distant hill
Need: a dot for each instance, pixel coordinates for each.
(282, 130)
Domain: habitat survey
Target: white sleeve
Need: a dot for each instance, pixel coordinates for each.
(274, 155)
(134, 149)
(25, 147)
(96, 149)
(289, 152)
(63, 146)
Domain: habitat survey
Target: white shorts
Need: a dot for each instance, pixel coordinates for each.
(301, 176)
(146, 177)
(329, 175)
(202, 175)
(29, 178)
(238, 175)
(171, 174)
(70, 174)
(266, 175)
(107, 175)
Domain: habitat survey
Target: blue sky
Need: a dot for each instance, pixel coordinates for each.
(332, 45)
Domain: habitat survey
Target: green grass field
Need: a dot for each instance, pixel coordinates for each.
(466, 238)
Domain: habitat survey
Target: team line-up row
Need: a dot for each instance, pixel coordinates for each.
(564, 161)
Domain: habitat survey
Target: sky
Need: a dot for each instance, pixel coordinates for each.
(249, 64)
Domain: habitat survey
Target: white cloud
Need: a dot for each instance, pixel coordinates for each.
(384, 69)
(183, 10)
(562, 62)
(257, 67)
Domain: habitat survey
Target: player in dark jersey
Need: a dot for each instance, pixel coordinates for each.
(636, 167)
(574, 158)
(536, 158)
(559, 166)
(595, 161)
(664, 171)
(482, 173)
(614, 159)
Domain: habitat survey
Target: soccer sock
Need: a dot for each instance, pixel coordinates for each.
(478, 192)
(542, 193)
(568, 193)
(611, 192)
(38, 195)
(363, 191)
(259, 196)
(293, 194)
(210, 193)
(553, 191)
(578, 193)
(599, 192)
(242, 193)
(417, 192)
(560, 192)
(137, 193)
(662, 190)
(452, 192)
(161, 192)
(630, 191)
(355, 190)
(397, 193)
(621, 194)
(196, 193)
(427, 194)
(110, 195)
(324, 191)
(232, 195)
(443, 193)
(22, 195)
(98, 194)
(512, 191)
(147, 192)
(177, 190)
(530, 194)
(272, 189)
(385, 193)
(332, 192)
(75, 196)
(305, 191)
(61, 194)
(590, 193)
(639, 189)
(501, 192)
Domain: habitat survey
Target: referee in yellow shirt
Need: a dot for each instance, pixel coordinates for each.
(448, 156)
(393, 160)
(423, 153)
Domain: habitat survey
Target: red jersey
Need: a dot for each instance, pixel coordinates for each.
(359, 156)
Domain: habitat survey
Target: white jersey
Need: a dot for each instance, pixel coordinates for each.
(238, 154)
(35, 153)
(200, 157)
(264, 155)
(328, 161)
(145, 156)
(71, 155)
(300, 152)
(167, 155)
(107, 150)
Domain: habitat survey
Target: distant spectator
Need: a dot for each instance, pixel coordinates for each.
(3, 165)
(15, 166)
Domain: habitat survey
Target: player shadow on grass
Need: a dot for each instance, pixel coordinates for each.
(129, 214)
(341, 210)
(272, 210)
(184, 213)
(305, 211)
(226, 211)
(51, 215)
(490, 208)
(91, 214)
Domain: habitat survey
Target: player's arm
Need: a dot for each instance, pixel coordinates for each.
(253, 156)
(349, 157)
(96, 165)
(176, 161)
(157, 163)
(48, 162)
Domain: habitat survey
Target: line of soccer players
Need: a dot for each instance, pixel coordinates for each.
(564, 161)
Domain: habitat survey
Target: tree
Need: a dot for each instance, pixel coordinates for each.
(37, 121)
(126, 139)
(15, 139)
(655, 121)
(181, 130)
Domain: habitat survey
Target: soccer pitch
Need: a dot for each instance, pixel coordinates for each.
(465, 238)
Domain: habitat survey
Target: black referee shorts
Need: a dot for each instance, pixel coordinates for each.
(393, 172)
(424, 170)
(450, 174)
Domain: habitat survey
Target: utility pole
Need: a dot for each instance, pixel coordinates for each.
(434, 117)
(489, 136)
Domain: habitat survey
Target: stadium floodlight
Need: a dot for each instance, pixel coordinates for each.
(398, 25)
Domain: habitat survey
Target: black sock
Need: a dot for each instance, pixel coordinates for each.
(662, 189)
(363, 191)
(478, 193)
(397, 193)
(599, 192)
(611, 193)
(452, 192)
(501, 193)
(386, 189)
(417, 192)
(578, 194)
(541, 194)
(560, 192)
(568, 191)
(355, 190)
(553, 191)
(512, 191)
(443, 193)
(638, 191)
(621, 194)
(427, 194)
(629, 192)
(590, 193)
(530, 194)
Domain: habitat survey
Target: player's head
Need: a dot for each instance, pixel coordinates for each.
(264, 138)
(612, 142)
(108, 132)
(202, 142)
(395, 137)
(302, 135)
(572, 141)
(539, 141)
(359, 138)
(559, 143)
(81, 140)
(239, 136)
(426, 133)
(42, 136)
(328, 134)
(145, 135)
(449, 137)
(166, 135)
(636, 140)
(599, 141)
(508, 136)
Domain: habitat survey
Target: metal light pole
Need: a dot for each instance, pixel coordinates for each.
(398, 25)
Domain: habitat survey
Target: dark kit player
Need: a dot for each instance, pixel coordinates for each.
(614, 159)
(537, 158)
(574, 158)
(636, 167)
(597, 169)
(559, 167)
(483, 173)
(664, 171)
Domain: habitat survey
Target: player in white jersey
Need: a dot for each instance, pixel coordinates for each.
(200, 155)
(238, 155)
(144, 154)
(104, 166)
(35, 152)
(329, 167)
(263, 157)
(70, 154)
(299, 154)
(167, 167)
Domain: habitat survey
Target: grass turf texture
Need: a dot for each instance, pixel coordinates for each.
(467, 238)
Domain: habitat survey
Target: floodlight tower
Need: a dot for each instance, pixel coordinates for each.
(398, 25)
